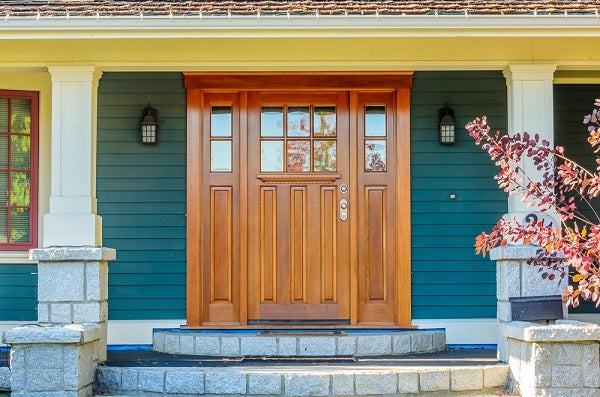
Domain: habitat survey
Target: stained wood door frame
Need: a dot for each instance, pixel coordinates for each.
(197, 84)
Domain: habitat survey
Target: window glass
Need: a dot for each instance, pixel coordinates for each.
(325, 122)
(17, 203)
(375, 121)
(3, 115)
(375, 156)
(325, 156)
(271, 156)
(220, 121)
(298, 123)
(220, 156)
(298, 156)
(271, 121)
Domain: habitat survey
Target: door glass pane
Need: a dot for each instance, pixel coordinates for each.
(271, 156)
(325, 121)
(271, 121)
(19, 188)
(375, 121)
(325, 156)
(3, 114)
(20, 150)
(220, 156)
(3, 225)
(298, 156)
(3, 151)
(298, 121)
(21, 116)
(220, 121)
(375, 156)
(3, 188)
(19, 225)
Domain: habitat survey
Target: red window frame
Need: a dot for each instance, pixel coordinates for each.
(33, 170)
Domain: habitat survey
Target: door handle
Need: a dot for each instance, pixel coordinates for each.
(343, 209)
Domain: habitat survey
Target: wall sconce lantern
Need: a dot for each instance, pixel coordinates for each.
(447, 126)
(149, 125)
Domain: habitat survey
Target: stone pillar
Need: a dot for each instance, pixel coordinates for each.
(73, 286)
(553, 360)
(53, 360)
(72, 220)
(515, 278)
(59, 355)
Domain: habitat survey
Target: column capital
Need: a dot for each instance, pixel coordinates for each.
(529, 72)
(74, 73)
(85, 253)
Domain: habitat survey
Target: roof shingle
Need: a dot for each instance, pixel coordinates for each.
(107, 8)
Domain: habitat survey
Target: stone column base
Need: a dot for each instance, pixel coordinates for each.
(553, 360)
(516, 278)
(53, 360)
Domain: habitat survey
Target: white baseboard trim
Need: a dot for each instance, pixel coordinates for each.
(464, 331)
(585, 317)
(137, 332)
(480, 331)
(458, 331)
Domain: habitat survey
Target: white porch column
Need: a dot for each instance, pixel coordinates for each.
(530, 109)
(72, 220)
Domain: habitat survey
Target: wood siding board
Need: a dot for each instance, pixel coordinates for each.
(571, 103)
(141, 192)
(18, 292)
(448, 279)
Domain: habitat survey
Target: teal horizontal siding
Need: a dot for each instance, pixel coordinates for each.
(571, 103)
(141, 192)
(448, 279)
(18, 292)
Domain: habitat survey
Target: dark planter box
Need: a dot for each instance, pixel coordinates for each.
(532, 308)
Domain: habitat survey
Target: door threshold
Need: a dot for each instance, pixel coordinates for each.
(294, 323)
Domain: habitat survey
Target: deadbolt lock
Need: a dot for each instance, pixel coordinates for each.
(343, 209)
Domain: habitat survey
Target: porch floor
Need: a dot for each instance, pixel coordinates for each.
(448, 357)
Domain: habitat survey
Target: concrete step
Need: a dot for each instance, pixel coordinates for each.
(279, 343)
(447, 373)
(301, 381)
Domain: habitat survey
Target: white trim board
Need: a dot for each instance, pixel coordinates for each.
(479, 331)
(464, 331)
(139, 332)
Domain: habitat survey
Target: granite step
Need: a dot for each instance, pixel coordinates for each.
(4, 378)
(443, 374)
(307, 343)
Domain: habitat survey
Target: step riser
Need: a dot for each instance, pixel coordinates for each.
(357, 345)
(295, 381)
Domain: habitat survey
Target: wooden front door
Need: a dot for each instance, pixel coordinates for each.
(298, 202)
(298, 232)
